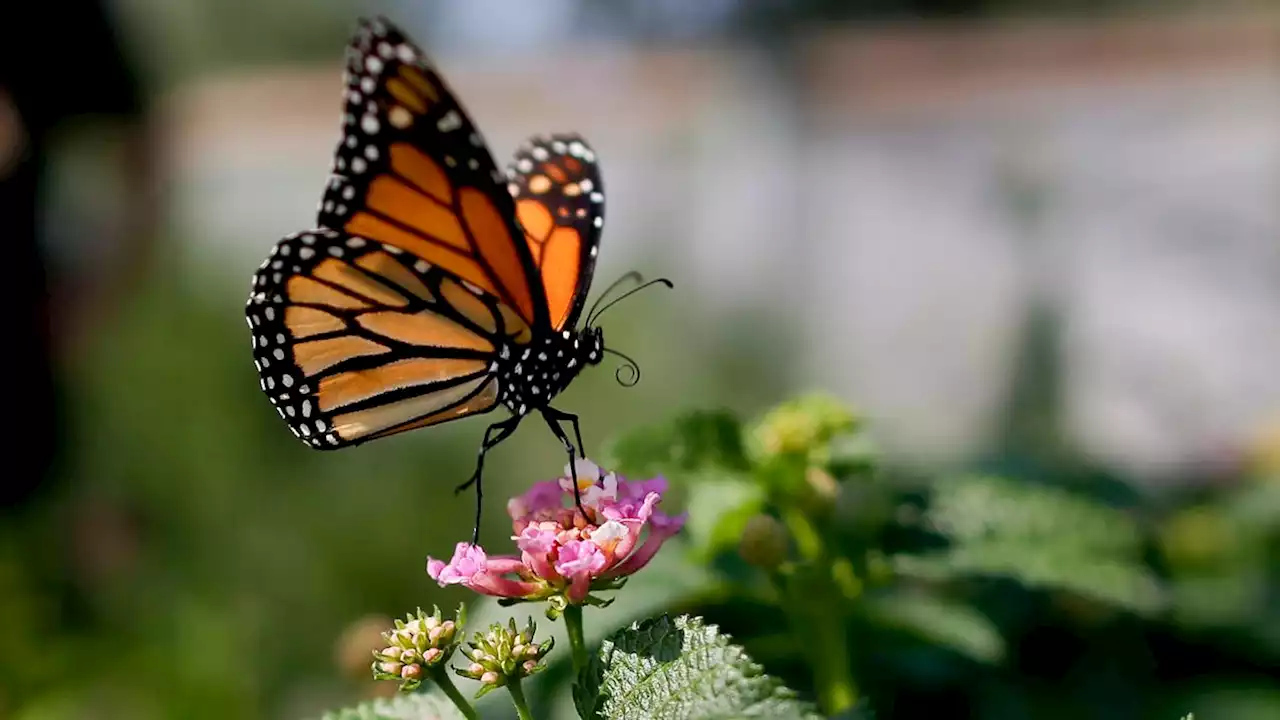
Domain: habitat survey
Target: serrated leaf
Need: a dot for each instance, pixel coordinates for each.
(680, 669)
(693, 441)
(422, 706)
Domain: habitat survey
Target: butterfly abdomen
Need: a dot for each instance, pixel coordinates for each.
(529, 376)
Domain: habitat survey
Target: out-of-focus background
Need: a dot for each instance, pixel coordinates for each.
(1037, 236)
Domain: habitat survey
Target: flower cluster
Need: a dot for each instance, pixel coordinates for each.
(503, 655)
(417, 643)
(566, 554)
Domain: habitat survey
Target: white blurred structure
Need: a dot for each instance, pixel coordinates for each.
(872, 194)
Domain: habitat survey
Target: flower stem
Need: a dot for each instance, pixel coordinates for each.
(517, 697)
(577, 641)
(832, 673)
(812, 599)
(440, 675)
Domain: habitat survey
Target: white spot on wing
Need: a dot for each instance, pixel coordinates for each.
(450, 121)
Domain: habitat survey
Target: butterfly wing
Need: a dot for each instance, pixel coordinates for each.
(356, 340)
(412, 171)
(559, 201)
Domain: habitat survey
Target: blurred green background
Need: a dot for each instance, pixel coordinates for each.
(1036, 239)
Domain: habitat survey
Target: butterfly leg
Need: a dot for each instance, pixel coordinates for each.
(572, 420)
(552, 417)
(503, 430)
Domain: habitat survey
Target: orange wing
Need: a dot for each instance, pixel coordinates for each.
(560, 205)
(411, 171)
(356, 340)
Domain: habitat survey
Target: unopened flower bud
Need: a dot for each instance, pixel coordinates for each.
(764, 542)
(802, 426)
(504, 653)
(412, 648)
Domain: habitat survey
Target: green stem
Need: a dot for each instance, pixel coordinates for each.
(440, 676)
(577, 641)
(517, 697)
(812, 602)
(832, 672)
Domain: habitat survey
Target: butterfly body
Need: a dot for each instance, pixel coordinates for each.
(434, 287)
(531, 375)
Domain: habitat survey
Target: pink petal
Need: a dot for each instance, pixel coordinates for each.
(536, 540)
(541, 566)
(636, 490)
(658, 534)
(545, 495)
(616, 538)
(580, 557)
(505, 565)
(498, 586)
(578, 588)
(468, 559)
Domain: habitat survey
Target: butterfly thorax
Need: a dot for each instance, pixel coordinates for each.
(530, 375)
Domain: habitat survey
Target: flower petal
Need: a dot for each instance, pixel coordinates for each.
(543, 496)
(505, 565)
(578, 589)
(534, 539)
(498, 586)
(580, 557)
(658, 534)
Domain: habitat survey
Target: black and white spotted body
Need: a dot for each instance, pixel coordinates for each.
(530, 376)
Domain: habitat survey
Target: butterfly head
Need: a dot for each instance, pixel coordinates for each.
(594, 336)
(593, 345)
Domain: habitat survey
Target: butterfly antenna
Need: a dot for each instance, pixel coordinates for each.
(633, 275)
(660, 281)
(631, 365)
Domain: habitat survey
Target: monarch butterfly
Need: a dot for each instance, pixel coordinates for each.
(434, 287)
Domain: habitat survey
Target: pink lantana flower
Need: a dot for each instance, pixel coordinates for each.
(564, 555)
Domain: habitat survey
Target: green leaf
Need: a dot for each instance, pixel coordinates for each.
(982, 508)
(943, 622)
(422, 706)
(719, 508)
(1126, 585)
(1041, 536)
(663, 669)
(693, 441)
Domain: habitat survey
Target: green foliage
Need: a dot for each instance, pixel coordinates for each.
(700, 440)
(420, 706)
(1042, 536)
(667, 669)
(938, 620)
